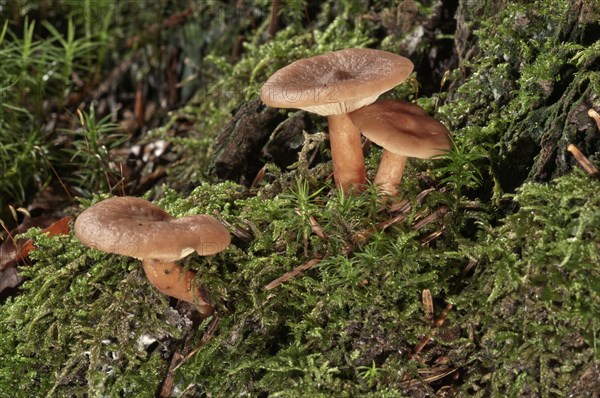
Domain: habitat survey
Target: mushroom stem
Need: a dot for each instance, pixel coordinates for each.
(346, 153)
(389, 173)
(171, 279)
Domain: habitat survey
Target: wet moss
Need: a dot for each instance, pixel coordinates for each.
(522, 83)
(537, 274)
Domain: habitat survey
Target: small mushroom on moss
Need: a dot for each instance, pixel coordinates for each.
(403, 130)
(137, 228)
(332, 85)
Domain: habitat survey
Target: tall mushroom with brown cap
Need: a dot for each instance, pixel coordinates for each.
(333, 85)
(403, 130)
(137, 228)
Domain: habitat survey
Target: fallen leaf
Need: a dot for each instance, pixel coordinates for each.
(11, 251)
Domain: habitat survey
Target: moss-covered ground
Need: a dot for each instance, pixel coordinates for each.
(504, 233)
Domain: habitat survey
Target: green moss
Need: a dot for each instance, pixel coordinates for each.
(289, 334)
(76, 325)
(536, 272)
(521, 89)
(535, 294)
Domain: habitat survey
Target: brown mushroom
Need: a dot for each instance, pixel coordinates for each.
(403, 130)
(333, 85)
(137, 228)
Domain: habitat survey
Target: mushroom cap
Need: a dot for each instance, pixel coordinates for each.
(337, 82)
(137, 228)
(402, 128)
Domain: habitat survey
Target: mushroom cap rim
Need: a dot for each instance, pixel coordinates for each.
(138, 228)
(336, 82)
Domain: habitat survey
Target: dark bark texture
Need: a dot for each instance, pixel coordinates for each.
(528, 77)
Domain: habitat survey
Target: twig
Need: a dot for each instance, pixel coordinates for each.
(442, 318)
(317, 229)
(238, 47)
(60, 181)
(405, 205)
(289, 275)
(260, 176)
(427, 301)
(428, 375)
(470, 265)
(115, 75)
(210, 332)
(402, 207)
(167, 384)
(172, 20)
(237, 231)
(433, 374)
(274, 18)
(583, 161)
(362, 236)
(429, 238)
(172, 75)
(139, 104)
(436, 324)
(430, 218)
